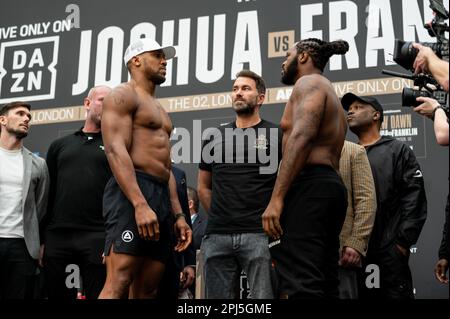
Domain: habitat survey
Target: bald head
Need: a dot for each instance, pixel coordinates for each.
(94, 105)
(96, 90)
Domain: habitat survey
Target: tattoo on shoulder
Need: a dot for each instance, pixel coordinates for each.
(119, 98)
(309, 84)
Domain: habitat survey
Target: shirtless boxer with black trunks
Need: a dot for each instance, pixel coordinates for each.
(137, 200)
(308, 204)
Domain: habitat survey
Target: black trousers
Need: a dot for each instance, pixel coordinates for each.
(395, 275)
(348, 282)
(17, 270)
(82, 252)
(306, 260)
(169, 286)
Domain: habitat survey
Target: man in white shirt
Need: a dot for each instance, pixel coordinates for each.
(23, 199)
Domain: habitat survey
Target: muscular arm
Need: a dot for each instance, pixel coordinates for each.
(117, 124)
(205, 188)
(308, 103)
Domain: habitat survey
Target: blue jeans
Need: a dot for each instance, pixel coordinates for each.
(224, 257)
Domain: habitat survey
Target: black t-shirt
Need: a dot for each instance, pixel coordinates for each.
(243, 165)
(78, 171)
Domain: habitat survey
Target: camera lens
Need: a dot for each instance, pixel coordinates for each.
(408, 50)
(404, 54)
(409, 96)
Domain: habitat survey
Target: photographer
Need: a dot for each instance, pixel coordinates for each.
(428, 62)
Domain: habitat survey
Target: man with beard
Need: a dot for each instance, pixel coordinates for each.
(136, 130)
(23, 199)
(234, 187)
(309, 200)
(74, 226)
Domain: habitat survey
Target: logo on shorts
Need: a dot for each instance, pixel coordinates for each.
(127, 236)
(418, 174)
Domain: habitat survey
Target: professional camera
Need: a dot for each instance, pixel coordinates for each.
(405, 54)
(409, 96)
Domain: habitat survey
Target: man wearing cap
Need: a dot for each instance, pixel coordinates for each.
(137, 201)
(401, 200)
(24, 186)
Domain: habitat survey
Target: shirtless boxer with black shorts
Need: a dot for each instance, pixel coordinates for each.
(308, 204)
(137, 200)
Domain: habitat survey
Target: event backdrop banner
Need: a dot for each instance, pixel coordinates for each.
(53, 52)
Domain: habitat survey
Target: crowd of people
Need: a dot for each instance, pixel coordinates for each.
(109, 201)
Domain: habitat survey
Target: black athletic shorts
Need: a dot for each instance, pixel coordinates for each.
(120, 221)
(306, 257)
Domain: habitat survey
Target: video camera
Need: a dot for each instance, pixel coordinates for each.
(405, 54)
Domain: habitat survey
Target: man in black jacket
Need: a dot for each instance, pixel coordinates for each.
(401, 200)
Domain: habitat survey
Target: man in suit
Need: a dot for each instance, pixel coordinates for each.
(354, 168)
(199, 221)
(24, 185)
(180, 269)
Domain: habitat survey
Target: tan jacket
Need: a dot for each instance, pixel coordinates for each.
(356, 173)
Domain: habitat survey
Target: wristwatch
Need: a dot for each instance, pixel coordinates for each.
(178, 215)
(434, 111)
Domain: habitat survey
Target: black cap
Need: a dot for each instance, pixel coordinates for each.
(349, 98)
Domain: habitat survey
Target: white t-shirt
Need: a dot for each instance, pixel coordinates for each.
(11, 177)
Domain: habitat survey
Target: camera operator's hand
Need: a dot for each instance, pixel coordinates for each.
(427, 107)
(428, 62)
(431, 109)
(423, 58)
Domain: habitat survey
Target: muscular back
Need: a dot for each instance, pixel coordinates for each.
(134, 122)
(314, 116)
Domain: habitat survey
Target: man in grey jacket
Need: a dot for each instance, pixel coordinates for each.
(23, 199)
